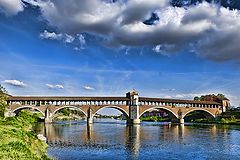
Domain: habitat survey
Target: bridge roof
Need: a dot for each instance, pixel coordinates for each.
(54, 98)
(176, 101)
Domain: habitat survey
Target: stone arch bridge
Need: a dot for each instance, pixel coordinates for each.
(131, 105)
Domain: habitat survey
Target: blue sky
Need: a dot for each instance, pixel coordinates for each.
(40, 55)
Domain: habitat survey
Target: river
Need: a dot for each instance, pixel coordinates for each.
(112, 139)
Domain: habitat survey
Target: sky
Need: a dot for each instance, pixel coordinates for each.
(161, 48)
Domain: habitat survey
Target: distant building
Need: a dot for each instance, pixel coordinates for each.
(156, 112)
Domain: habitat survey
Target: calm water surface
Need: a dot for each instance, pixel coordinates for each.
(112, 139)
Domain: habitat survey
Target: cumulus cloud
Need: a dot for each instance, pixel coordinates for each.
(56, 36)
(16, 83)
(56, 86)
(210, 30)
(89, 88)
(11, 7)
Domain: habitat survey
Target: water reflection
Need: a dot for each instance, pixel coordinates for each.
(115, 140)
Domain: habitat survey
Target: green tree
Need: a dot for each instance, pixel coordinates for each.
(3, 100)
(221, 96)
(65, 111)
(196, 98)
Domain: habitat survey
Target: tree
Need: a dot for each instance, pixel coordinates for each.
(3, 100)
(196, 98)
(210, 97)
(221, 96)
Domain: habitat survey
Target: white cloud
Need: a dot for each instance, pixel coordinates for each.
(56, 86)
(56, 36)
(16, 83)
(212, 30)
(51, 35)
(81, 40)
(89, 88)
(81, 44)
(68, 38)
(11, 7)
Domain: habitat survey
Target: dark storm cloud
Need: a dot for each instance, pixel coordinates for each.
(209, 29)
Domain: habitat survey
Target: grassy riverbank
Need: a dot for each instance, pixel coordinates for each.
(155, 119)
(68, 114)
(231, 121)
(228, 117)
(18, 141)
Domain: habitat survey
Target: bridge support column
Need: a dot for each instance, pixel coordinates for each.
(133, 121)
(9, 113)
(48, 118)
(89, 120)
(89, 116)
(181, 121)
(133, 108)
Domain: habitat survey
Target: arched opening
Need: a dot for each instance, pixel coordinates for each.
(35, 114)
(68, 113)
(198, 115)
(29, 108)
(110, 114)
(158, 114)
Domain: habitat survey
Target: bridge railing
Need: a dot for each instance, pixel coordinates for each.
(58, 103)
(118, 101)
(172, 104)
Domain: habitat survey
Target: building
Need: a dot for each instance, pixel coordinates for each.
(156, 112)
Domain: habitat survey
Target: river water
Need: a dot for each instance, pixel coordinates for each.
(112, 139)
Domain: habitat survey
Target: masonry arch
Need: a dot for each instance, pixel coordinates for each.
(31, 107)
(208, 113)
(55, 111)
(159, 107)
(123, 111)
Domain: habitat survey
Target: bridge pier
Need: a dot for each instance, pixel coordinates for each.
(9, 113)
(48, 118)
(133, 121)
(89, 120)
(89, 116)
(181, 121)
(133, 108)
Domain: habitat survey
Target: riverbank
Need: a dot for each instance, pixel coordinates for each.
(67, 118)
(229, 117)
(219, 120)
(18, 141)
(155, 119)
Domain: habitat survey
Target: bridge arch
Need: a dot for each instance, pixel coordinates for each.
(114, 107)
(24, 107)
(55, 111)
(200, 109)
(159, 107)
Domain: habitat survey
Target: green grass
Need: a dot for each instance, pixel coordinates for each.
(17, 139)
(219, 120)
(155, 119)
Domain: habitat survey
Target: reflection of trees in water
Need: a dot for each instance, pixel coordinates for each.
(133, 138)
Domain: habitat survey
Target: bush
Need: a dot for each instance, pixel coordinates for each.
(18, 141)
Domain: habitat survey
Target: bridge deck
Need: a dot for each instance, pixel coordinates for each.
(141, 99)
